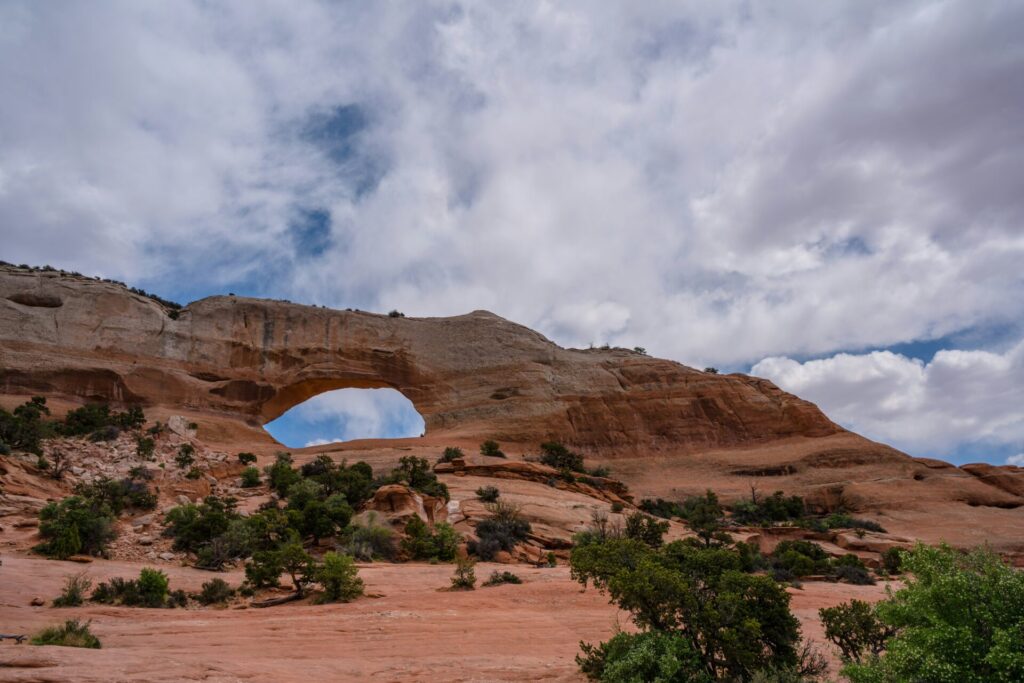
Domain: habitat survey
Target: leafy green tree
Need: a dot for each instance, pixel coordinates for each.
(75, 525)
(153, 587)
(422, 543)
(959, 618)
(855, 629)
(281, 475)
(707, 518)
(24, 428)
(193, 526)
(554, 454)
(338, 575)
(247, 458)
(649, 657)
(250, 477)
(735, 623)
(645, 528)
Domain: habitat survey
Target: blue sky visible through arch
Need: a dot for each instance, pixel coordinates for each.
(345, 415)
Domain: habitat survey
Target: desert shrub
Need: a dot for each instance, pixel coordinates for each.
(645, 528)
(892, 560)
(661, 508)
(263, 570)
(796, 558)
(764, 510)
(599, 530)
(394, 313)
(96, 418)
(24, 428)
(451, 453)
(600, 471)
(193, 526)
(422, 543)
(488, 494)
(617, 507)
(250, 477)
(858, 576)
(215, 592)
(149, 590)
(355, 482)
(76, 587)
(246, 458)
(194, 473)
(491, 449)
(339, 577)
(959, 617)
(735, 623)
(185, 456)
(177, 598)
(855, 629)
(144, 447)
(498, 578)
(710, 370)
(153, 587)
(75, 525)
(841, 520)
(281, 475)
(416, 474)
(234, 543)
(651, 657)
(554, 454)
(706, 518)
(105, 433)
(297, 564)
(72, 633)
(371, 539)
(464, 578)
(118, 495)
(505, 529)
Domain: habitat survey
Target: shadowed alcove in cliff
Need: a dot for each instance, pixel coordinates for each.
(345, 415)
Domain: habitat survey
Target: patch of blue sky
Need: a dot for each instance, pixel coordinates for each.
(345, 415)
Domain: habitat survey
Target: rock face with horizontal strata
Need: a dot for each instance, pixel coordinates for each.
(474, 374)
(233, 364)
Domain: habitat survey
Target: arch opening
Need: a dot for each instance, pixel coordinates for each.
(346, 415)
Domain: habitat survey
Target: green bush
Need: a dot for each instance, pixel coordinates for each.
(766, 510)
(416, 473)
(339, 577)
(186, 456)
(281, 475)
(464, 578)
(153, 587)
(488, 494)
(736, 624)
(215, 592)
(646, 529)
(451, 453)
(75, 589)
(421, 543)
(74, 526)
(149, 590)
(554, 454)
(372, 539)
(892, 560)
(855, 629)
(250, 477)
(841, 520)
(959, 617)
(796, 558)
(72, 633)
(247, 458)
(193, 526)
(651, 657)
(491, 449)
(498, 578)
(118, 495)
(95, 419)
(24, 428)
(662, 508)
(504, 530)
(144, 447)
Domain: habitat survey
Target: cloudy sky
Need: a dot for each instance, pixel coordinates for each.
(830, 195)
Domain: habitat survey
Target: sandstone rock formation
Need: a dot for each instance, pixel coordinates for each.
(231, 364)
